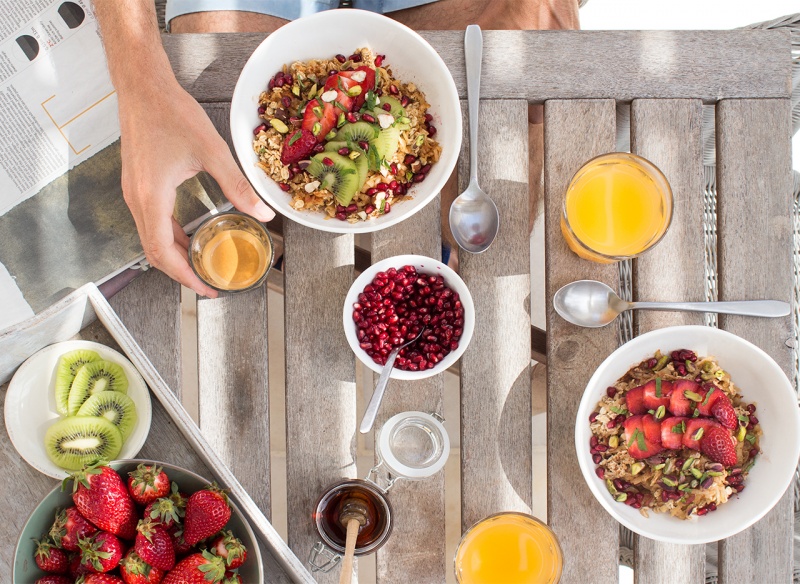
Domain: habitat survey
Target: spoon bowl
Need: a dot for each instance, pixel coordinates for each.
(592, 304)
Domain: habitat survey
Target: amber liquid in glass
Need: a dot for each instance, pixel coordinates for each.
(234, 259)
(327, 518)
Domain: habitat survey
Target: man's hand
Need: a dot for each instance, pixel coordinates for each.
(166, 138)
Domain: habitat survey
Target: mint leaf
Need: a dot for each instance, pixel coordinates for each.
(658, 387)
(295, 137)
(708, 395)
(640, 440)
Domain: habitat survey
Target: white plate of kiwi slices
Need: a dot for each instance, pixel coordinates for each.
(74, 402)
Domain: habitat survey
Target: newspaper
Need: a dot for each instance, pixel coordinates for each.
(63, 221)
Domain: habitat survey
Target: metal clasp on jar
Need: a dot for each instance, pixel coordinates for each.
(321, 552)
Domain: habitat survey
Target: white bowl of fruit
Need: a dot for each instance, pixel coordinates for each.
(137, 517)
(348, 133)
(393, 300)
(688, 434)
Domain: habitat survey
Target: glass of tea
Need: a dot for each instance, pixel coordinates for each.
(231, 252)
(617, 206)
(509, 547)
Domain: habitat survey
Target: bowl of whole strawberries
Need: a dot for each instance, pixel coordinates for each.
(397, 298)
(137, 521)
(688, 434)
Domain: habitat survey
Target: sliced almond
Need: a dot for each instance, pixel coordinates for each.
(359, 76)
(329, 95)
(312, 186)
(385, 120)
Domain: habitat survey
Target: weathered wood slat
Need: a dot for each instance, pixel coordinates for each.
(755, 261)
(233, 386)
(574, 132)
(623, 65)
(496, 457)
(320, 376)
(668, 133)
(416, 550)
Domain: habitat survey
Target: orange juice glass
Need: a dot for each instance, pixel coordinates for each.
(508, 548)
(231, 252)
(617, 206)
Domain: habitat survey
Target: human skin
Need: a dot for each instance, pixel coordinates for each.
(167, 137)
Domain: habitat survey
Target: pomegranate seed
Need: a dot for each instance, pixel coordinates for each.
(386, 107)
(327, 161)
(355, 58)
(284, 187)
(409, 159)
(364, 145)
(652, 363)
(751, 408)
(698, 379)
(753, 452)
(419, 177)
(379, 92)
(701, 511)
(288, 79)
(280, 82)
(379, 60)
(393, 169)
(271, 84)
(261, 110)
(428, 118)
(431, 131)
(601, 448)
(386, 208)
(753, 420)
(404, 101)
(341, 216)
(286, 101)
(352, 208)
(600, 472)
(592, 417)
(372, 192)
(425, 169)
(368, 118)
(611, 423)
(611, 391)
(319, 148)
(681, 369)
(260, 128)
(401, 189)
(593, 441)
(369, 209)
(381, 186)
(341, 58)
(393, 89)
(351, 117)
(344, 151)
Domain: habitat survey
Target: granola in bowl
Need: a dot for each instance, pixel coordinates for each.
(342, 136)
(673, 435)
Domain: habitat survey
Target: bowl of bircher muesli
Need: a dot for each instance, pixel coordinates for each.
(349, 132)
(688, 434)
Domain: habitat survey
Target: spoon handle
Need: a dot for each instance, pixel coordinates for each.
(768, 308)
(377, 396)
(473, 52)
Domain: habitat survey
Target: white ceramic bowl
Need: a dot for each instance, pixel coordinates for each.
(424, 265)
(324, 35)
(760, 380)
(30, 406)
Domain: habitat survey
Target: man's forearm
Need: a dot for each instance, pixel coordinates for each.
(136, 58)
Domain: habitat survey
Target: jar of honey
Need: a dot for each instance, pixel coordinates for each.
(410, 446)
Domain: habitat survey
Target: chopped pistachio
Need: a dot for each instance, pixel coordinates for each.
(278, 125)
(693, 396)
(637, 467)
(713, 473)
(661, 412)
(296, 90)
(316, 129)
(659, 466)
(622, 497)
(662, 362)
(740, 436)
(719, 374)
(696, 473)
(668, 481)
(613, 442)
(610, 486)
(687, 465)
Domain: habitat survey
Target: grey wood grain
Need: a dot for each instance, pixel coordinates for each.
(574, 132)
(150, 308)
(416, 550)
(754, 208)
(320, 376)
(233, 395)
(496, 456)
(668, 133)
(624, 65)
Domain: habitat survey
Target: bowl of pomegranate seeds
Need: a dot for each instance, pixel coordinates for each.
(395, 299)
(138, 517)
(688, 434)
(347, 133)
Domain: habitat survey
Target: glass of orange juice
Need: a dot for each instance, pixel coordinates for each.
(617, 206)
(509, 547)
(231, 252)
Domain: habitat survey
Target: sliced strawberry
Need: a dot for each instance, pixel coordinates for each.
(710, 395)
(367, 84)
(672, 430)
(718, 444)
(723, 411)
(297, 146)
(679, 403)
(656, 393)
(634, 399)
(323, 114)
(341, 85)
(691, 439)
(642, 436)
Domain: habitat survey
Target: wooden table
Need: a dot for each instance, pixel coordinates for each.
(666, 77)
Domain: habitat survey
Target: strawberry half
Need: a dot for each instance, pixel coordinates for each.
(634, 400)
(710, 394)
(134, 570)
(147, 483)
(154, 545)
(50, 558)
(672, 430)
(298, 146)
(69, 527)
(679, 403)
(207, 511)
(642, 436)
(723, 411)
(692, 436)
(367, 83)
(320, 117)
(230, 548)
(200, 568)
(101, 553)
(55, 579)
(718, 444)
(341, 85)
(657, 393)
(102, 498)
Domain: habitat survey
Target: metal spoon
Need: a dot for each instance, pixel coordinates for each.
(593, 304)
(377, 396)
(474, 219)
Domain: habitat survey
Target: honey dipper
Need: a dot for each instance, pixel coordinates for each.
(353, 516)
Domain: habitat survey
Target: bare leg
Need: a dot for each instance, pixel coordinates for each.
(225, 21)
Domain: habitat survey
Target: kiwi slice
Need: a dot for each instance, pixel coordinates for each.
(340, 177)
(68, 365)
(361, 168)
(360, 161)
(115, 407)
(397, 110)
(76, 441)
(387, 142)
(358, 131)
(93, 378)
